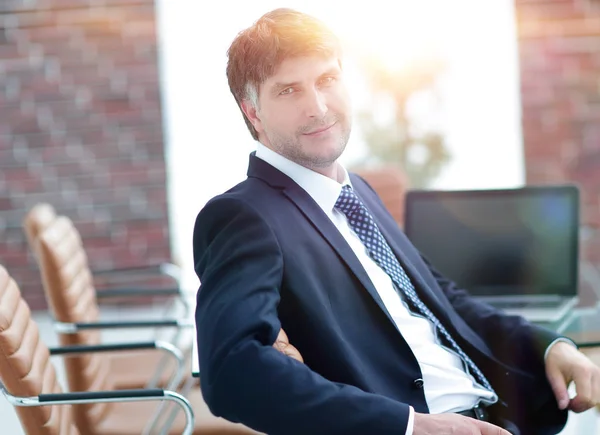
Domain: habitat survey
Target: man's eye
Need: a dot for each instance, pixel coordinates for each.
(286, 91)
(327, 80)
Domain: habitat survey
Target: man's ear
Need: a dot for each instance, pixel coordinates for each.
(251, 113)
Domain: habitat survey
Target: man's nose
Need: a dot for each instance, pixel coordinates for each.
(315, 105)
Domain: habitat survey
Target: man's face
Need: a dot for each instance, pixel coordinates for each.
(304, 111)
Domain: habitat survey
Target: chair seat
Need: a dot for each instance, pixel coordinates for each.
(130, 370)
(130, 418)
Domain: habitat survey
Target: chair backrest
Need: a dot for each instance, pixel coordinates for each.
(391, 184)
(67, 279)
(25, 367)
(36, 221)
(69, 290)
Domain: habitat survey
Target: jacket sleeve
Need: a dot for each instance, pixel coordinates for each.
(512, 339)
(243, 378)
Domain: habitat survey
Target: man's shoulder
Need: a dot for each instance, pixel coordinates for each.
(251, 190)
(248, 187)
(252, 194)
(247, 205)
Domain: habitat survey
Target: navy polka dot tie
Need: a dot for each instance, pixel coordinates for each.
(365, 227)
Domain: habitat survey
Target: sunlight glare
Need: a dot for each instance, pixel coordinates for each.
(395, 34)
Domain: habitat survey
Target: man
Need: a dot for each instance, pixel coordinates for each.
(389, 345)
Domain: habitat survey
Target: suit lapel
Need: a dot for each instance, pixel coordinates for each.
(321, 222)
(329, 232)
(423, 290)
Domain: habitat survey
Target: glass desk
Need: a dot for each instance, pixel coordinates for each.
(582, 325)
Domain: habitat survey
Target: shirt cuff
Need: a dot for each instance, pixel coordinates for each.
(411, 420)
(563, 339)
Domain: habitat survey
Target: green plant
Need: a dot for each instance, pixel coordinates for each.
(399, 140)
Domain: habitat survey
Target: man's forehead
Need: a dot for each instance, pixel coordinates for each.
(303, 68)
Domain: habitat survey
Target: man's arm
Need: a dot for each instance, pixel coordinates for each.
(245, 379)
(512, 339)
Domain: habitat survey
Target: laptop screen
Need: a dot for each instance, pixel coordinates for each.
(500, 242)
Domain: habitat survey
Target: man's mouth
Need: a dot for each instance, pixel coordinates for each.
(319, 130)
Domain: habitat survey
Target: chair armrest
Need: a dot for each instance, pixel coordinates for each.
(167, 269)
(72, 328)
(79, 349)
(95, 395)
(588, 344)
(168, 348)
(107, 396)
(128, 292)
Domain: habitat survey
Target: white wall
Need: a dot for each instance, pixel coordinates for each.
(207, 141)
(482, 97)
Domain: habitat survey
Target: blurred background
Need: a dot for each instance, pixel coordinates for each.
(118, 112)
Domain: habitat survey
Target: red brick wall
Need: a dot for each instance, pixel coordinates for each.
(81, 128)
(559, 42)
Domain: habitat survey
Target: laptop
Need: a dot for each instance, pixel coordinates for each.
(516, 249)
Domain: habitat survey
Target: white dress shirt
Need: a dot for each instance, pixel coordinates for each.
(448, 387)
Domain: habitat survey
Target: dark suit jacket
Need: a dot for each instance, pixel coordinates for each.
(268, 257)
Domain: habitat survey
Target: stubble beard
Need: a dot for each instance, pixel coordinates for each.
(290, 147)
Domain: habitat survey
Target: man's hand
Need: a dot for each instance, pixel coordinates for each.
(453, 424)
(564, 364)
(282, 344)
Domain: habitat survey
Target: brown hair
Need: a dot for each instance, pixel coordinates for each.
(257, 51)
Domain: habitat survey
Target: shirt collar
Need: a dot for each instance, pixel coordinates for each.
(322, 189)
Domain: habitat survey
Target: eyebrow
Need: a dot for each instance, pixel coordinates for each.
(279, 86)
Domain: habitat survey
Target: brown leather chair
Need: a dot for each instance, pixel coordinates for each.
(43, 214)
(391, 185)
(72, 299)
(25, 369)
(71, 295)
(37, 220)
(28, 380)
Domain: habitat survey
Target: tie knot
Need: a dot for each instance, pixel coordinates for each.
(348, 203)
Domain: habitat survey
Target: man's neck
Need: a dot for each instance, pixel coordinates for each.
(332, 171)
